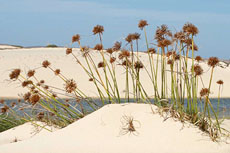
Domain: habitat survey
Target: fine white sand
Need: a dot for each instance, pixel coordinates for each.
(31, 58)
(24, 132)
(105, 131)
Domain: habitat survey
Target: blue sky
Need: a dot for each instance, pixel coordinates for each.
(42, 22)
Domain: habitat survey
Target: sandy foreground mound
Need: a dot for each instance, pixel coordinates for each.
(105, 131)
(32, 58)
(24, 132)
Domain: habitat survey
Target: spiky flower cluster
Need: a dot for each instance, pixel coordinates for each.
(70, 86)
(75, 38)
(190, 29)
(98, 29)
(14, 74)
(124, 54)
(45, 63)
(204, 92)
(213, 61)
(198, 70)
(142, 24)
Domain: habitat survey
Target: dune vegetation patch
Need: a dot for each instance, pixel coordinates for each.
(175, 59)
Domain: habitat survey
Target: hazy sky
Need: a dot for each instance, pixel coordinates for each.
(42, 22)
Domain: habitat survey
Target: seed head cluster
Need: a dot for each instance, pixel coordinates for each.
(30, 73)
(98, 29)
(220, 82)
(204, 92)
(45, 63)
(70, 86)
(142, 24)
(213, 61)
(75, 38)
(198, 70)
(69, 51)
(14, 74)
(98, 47)
(190, 29)
(117, 46)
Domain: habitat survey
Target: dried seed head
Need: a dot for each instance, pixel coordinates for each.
(2, 101)
(45, 63)
(117, 46)
(177, 57)
(169, 53)
(129, 38)
(126, 63)
(30, 73)
(190, 29)
(109, 50)
(90, 79)
(69, 51)
(170, 62)
(75, 38)
(32, 88)
(152, 50)
(138, 65)
(98, 29)
(164, 43)
(142, 24)
(220, 82)
(14, 74)
(85, 51)
(204, 92)
(136, 36)
(98, 47)
(26, 96)
(180, 36)
(198, 58)
(112, 60)
(162, 32)
(46, 87)
(40, 115)
(198, 70)
(4, 109)
(70, 86)
(54, 95)
(195, 47)
(26, 83)
(188, 41)
(101, 64)
(213, 61)
(124, 54)
(13, 104)
(34, 99)
(57, 71)
(36, 91)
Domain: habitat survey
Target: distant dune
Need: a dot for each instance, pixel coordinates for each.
(31, 58)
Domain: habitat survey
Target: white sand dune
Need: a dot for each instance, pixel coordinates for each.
(24, 132)
(32, 58)
(8, 47)
(104, 131)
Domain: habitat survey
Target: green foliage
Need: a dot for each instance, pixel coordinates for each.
(51, 45)
(8, 122)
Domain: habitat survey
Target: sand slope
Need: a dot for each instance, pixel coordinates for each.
(101, 132)
(24, 132)
(31, 58)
